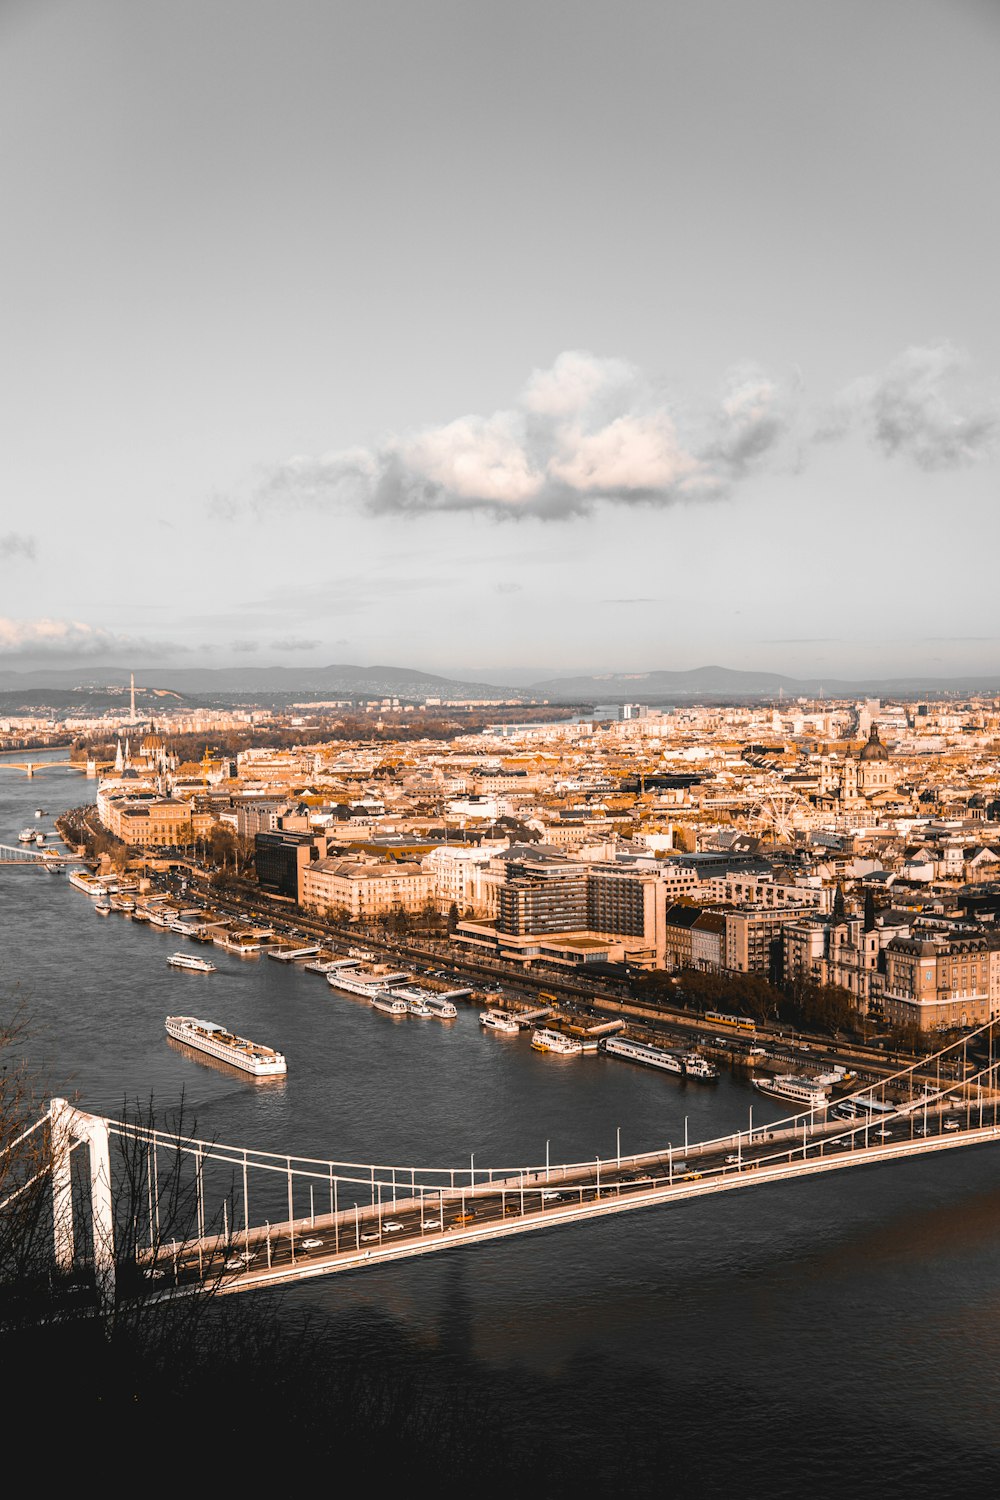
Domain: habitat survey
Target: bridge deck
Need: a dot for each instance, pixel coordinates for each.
(302, 1249)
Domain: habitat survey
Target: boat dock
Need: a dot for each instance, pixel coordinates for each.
(291, 955)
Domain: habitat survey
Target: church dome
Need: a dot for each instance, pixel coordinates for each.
(874, 749)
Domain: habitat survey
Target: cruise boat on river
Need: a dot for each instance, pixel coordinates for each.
(696, 1066)
(805, 1091)
(26, 836)
(365, 981)
(547, 1040)
(440, 1007)
(393, 1005)
(643, 1052)
(499, 1020)
(184, 961)
(214, 1040)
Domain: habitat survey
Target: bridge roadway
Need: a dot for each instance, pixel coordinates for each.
(29, 767)
(543, 1198)
(24, 854)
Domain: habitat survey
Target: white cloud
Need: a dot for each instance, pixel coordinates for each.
(926, 405)
(16, 544)
(48, 637)
(631, 456)
(475, 460)
(586, 430)
(590, 431)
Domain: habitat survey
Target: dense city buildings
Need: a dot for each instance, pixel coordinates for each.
(853, 845)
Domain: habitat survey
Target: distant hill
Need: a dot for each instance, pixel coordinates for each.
(728, 682)
(331, 681)
(92, 684)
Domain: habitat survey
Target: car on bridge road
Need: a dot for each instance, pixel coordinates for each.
(311, 1244)
(732, 1160)
(392, 1226)
(432, 1224)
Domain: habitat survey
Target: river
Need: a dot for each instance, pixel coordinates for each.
(786, 1339)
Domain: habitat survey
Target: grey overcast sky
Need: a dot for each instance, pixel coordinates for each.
(455, 334)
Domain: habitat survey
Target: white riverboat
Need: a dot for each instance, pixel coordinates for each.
(365, 981)
(544, 1039)
(500, 1021)
(440, 1007)
(215, 1041)
(696, 1066)
(26, 836)
(392, 1005)
(186, 961)
(643, 1052)
(804, 1091)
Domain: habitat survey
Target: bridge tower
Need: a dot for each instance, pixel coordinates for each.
(69, 1125)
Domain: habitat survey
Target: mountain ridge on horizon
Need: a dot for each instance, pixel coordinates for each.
(344, 679)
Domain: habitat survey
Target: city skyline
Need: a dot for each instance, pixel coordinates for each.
(605, 339)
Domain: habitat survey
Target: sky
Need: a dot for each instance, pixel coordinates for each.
(463, 335)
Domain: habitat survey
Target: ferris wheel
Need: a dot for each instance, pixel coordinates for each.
(777, 815)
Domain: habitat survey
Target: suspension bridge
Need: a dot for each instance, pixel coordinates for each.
(153, 1212)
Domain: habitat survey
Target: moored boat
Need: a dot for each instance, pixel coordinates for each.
(696, 1066)
(440, 1008)
(499, 1020)
(391, 1004)
(544, 1039)
(805, 1091)
(365, 981)
(643, 1052)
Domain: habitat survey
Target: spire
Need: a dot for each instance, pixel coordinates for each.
(839, 913)
(119, 757)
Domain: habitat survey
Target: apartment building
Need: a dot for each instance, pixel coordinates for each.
(364, 889)
(937, 981)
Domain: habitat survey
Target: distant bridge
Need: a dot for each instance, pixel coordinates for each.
(25, 854)
(29, 767)
(171, 1215)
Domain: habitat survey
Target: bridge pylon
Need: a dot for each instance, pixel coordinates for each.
(69, 1125)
